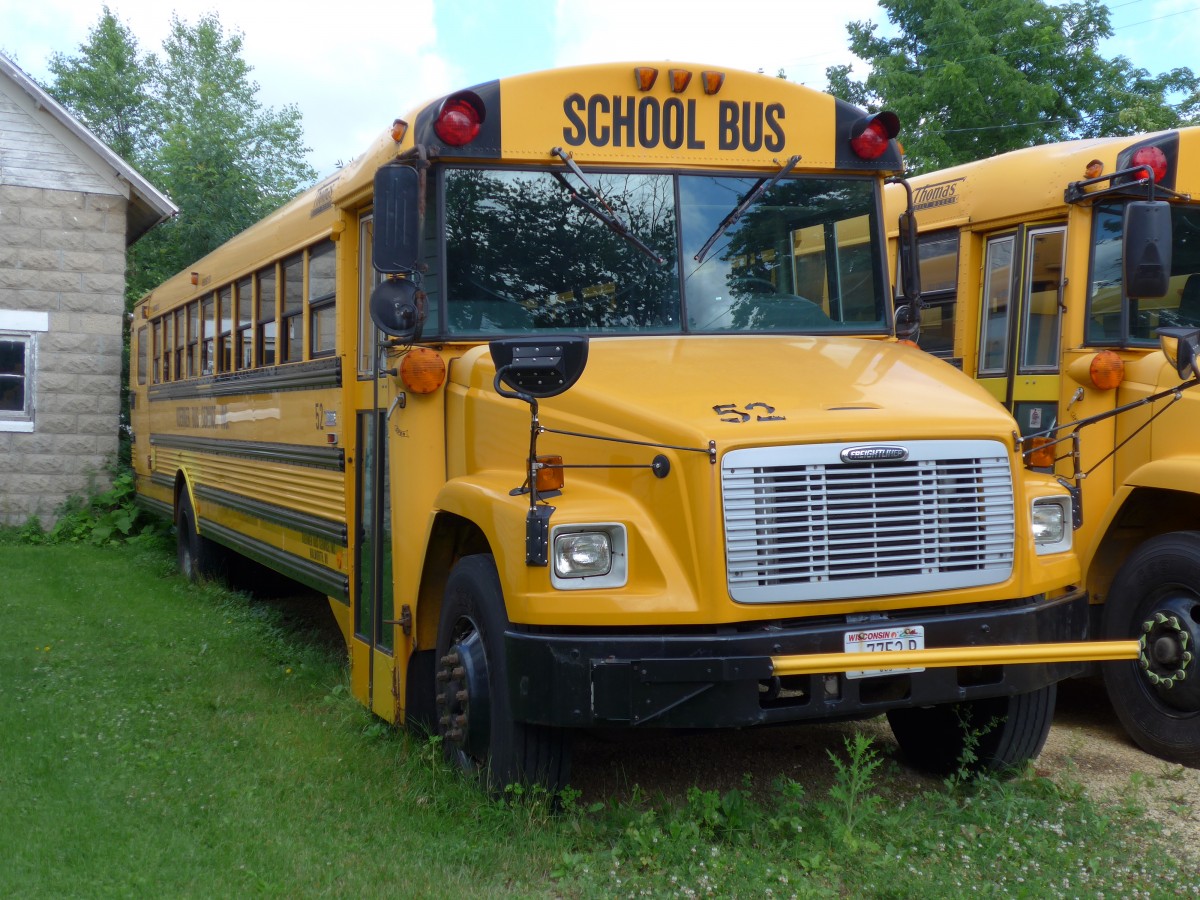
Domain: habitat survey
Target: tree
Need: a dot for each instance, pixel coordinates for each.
(191, 123)
(225, 160)
(107, 86)
(972, 78)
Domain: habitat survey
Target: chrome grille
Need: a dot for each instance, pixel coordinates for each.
(801, 524)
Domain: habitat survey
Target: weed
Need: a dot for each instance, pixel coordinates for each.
(850, 802)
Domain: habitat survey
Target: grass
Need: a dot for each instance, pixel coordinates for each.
(169, 740)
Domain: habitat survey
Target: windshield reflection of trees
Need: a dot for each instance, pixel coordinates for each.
(793, 262)
(521, 256)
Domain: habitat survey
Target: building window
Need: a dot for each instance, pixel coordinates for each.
(14, 375)
(18, 364)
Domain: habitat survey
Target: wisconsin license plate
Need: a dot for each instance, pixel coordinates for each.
(882, 641)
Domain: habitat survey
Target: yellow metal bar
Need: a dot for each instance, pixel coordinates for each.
(939, 657)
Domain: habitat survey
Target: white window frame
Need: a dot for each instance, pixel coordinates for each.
(23, 326)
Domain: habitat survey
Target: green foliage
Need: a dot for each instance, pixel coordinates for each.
(189, 121)
(107, 86)
(972, 78)
(106, 516)
(851, 805)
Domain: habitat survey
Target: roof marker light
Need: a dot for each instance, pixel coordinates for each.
(712, 81)
(646, 76)
(458, 118)
(680, 79)
(869, 136)
(399, 129)
(1154, 158)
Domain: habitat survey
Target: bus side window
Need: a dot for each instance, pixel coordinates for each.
(225, 314)
(143, 352)
(264, 332)
(321, 296)
(292, 337)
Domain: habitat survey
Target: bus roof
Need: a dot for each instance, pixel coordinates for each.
(1031, 181)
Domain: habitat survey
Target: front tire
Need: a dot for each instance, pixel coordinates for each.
(475, 720)
(1156, 599)
(994, 735)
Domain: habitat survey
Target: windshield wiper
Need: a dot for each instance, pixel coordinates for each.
(606, 215)
(736, 213)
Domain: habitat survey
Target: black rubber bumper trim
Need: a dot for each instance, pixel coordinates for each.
(714, 680)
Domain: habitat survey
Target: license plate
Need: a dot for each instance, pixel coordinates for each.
(883, 641)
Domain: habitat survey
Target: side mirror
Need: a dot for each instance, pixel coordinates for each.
(908, 316)
(398, 309)
(1181, 346)
(395, 250)
(910, 262)
(538, 367)
(1147, 260)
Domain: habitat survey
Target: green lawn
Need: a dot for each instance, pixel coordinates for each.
(159, 739)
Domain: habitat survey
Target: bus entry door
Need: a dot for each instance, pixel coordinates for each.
(1020, 323)
(373, 632)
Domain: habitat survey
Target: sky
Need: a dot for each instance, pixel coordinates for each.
(352, 69)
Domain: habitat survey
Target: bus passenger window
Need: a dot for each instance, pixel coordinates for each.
(264, 333)
(321, 295)
(156, 375)
(166, 347)
(292, 346)
(143, 351)
(207, 341)
(244, 344)
(225, 311)
(180, 343)
(193, 337)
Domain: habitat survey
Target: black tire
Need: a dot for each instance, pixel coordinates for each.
(995, 735)
(474, 714)
(197, 556)
(1156, 598)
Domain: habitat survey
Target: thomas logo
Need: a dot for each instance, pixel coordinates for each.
(874, 454)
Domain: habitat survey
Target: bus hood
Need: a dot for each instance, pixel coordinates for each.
(761, 390)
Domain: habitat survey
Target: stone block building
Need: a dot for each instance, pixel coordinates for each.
(69, 207)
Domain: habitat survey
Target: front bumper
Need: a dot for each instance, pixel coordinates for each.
(759, 673)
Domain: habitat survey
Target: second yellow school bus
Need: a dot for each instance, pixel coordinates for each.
(578, 395)
(1040, 285)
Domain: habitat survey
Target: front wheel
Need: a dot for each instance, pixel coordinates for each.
(475, 720)
(995, 735)
(1156, 599)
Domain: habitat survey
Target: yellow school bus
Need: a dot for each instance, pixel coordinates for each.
(579, 395)
(1051, 275)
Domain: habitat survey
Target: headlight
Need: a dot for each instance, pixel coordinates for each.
(588, 556)
(583, 554)
(1051, 524)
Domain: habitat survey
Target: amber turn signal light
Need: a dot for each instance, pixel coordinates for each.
(550, 474)
(1041, 453)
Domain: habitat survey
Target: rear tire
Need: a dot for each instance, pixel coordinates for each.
(995, 735)
(1156, 599)
(198, 557)
(475, 720)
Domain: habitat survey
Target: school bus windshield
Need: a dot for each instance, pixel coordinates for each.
(523, 254)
